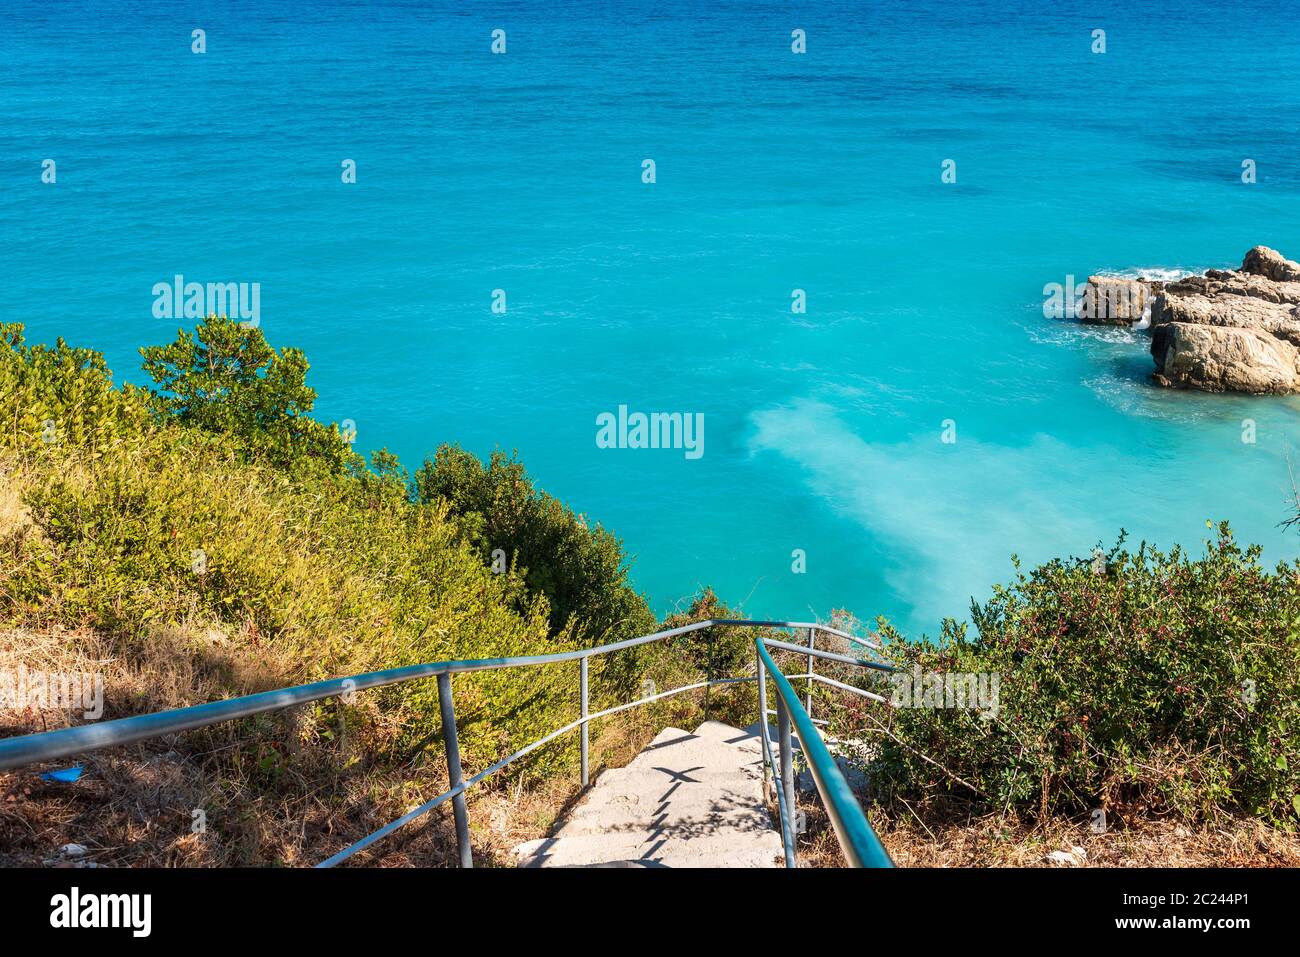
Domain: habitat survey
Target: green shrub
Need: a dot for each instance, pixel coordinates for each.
(579, 568)
(1150, 680)
(710, 653)
(53, 398)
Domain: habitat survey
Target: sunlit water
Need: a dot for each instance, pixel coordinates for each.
(775, 171)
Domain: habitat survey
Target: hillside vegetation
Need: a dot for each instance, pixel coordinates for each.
(211, 525)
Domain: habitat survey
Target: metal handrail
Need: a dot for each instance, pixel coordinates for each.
(858, 841)
(812, 652)
(27, 749)
(48, 745)
(784, 814)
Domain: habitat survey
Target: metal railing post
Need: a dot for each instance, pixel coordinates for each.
(787, 761)
(762, 722)
(452, 744)
(582, 736)
(807, 696)
(708, 675)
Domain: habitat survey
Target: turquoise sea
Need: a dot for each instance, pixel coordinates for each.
(775, 171)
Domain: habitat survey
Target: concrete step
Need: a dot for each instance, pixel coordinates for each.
(752, 732)
(717, 731)
(668, 817)
(687, 800)
(606, 850)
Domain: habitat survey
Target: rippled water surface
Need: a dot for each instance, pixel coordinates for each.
(774, 172)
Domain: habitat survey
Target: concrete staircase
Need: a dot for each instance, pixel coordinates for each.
(687, 800)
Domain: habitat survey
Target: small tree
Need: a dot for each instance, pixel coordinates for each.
(581, 569)
(226, 378)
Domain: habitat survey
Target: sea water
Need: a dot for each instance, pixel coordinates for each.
(501, 274)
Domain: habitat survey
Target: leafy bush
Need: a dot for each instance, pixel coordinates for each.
(580, 569)
(61, 396)
(1149, 681)
(711, 653)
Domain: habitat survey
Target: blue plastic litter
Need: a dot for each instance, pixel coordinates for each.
(66, 775)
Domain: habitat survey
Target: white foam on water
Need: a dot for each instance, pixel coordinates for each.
(1157, 273)
(1068, 332)
(945, 519)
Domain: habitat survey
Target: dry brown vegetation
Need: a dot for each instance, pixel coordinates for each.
(1006, 841)
(134, 806)
(268, 796)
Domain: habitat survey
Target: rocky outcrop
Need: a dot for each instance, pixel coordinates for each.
(1226, 282)
(1111, 301)
(1226, 331)
(1224, 359)
(1271, 264)
(1229, 311)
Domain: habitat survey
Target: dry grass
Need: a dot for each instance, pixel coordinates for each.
(15, 517)
(271, 792)
(268, 792)
(997, 841)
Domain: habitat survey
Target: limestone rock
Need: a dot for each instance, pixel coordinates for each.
(1111, 301)
(1076, 856)
(1228, 330)
(1226, 282)
(1243, 312)
(1216, 358)
(1271, 264)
